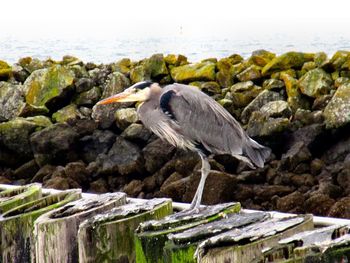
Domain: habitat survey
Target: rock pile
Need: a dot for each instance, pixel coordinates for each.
(296, 103)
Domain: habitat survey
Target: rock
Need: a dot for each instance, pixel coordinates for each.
(296, 154)
(210, 87)
(11, 101)
(337, 112)
(19, 73)
(286, 61)
(261, 57)
(292, 203)
(88, 98)
(84, 126)
(266, 192)
(308, 66)
(67, 113)
(243, 93)
(251, 73)
(123, 66)
(5, 70)
(98, 143)
(31, 64)
(15, 134)
(261, 125)
(156, 154)
(83, 84)
(100, 75)
(133, 188)
(176, 190)
(54, 144)
(58, 183)
(315, 83)
(139, 73)
(27, 170)
(124, 158)
(316, 166)
(343, 180)
(175, 60)
(45, 85)
(77, 172)
(71, 61)
(203, 71)
(263, 98)
(339, 58)
(320, 59)
(44, 171)
(321, 102)
(136, 131)
(318, 204)
(275, 109)
(175, 176)
(104, 114)
(125, 116)
(341, 209)
(224, 75)
(295, 98)
(99, 186)
(272, 84)
(156, 66)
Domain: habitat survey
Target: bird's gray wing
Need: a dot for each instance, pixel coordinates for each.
(202, 120)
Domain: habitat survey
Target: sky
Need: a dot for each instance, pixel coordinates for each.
(159, 18)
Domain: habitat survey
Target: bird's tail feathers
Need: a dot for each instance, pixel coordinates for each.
(256, 152)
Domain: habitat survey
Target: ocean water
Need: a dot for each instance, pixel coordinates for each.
(110, 49)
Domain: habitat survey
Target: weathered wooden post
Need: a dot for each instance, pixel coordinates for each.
(152, 235)
(109, 237)
(17, 225)
(17, 196)
(56, 232)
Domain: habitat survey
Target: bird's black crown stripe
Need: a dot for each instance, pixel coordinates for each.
(142, 85)
(164, 103)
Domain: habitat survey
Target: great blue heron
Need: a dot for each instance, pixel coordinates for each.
(188, 118)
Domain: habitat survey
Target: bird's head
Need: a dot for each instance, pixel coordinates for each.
(137, 92)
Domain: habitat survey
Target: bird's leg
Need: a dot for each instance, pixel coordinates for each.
(204, 173)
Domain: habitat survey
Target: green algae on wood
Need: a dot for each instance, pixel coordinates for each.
(182, 246)
(17, 196)
(17, 225)
(248, 243)
(56, 231)
(152, 236)
(109, 237)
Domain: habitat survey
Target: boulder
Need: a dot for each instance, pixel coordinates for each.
(297, 154)
(273, 84)
(5, 70)
(83, 84)
(318, 204)
(315, 83)
(88, 98)
(203, 71)
(11, 101)
(15, 134)
(156, 66)
(125, 116)
(156, 154)
(337, 112)
(320, 59)
(209, 87)
(286, 61)
(123, 66)
(339, 58)
(124, 158)
(67, 113)
(97, 143)
(139, 73)
(263, 98)
(175, 60)
(136, 131)
(46, 85)
(54, 144)
(292, 203)
(341, 209)
(251, 73)
(261, 57)
(243, 93)
(225, 75)
(278, 108)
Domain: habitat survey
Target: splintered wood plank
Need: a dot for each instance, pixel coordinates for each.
(248, 243)
(17, 225)
(17, 196)
(152, 235)
(56, 231)
(182, 246)
(109, 237)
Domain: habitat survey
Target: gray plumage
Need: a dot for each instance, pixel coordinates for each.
(199, 119)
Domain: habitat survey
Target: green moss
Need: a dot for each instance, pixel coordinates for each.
(203, 71)
(5, 69)
(70, 112)
(315, 83)
(179, 253)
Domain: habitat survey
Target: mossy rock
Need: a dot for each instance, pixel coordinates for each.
(69, 60)
(275, 109)
(123, 66)
(320, 59)
(272, 84)
(315, 83)
(70, 112)
(243, 93)
(44, 85)
(339, 58)
(261, 57)
(203, 71)
(175, 60)
(11, 101)
(14, 134)
(5, 70)
(251, 73)
(308, 66)
(31, 64)
(261, 125)
(210, 87)
(295, 98)
(88, 98)
(116, 83)
(157, 66)
(286, 61)
(337, 112)
(139, 73)
(125, 116)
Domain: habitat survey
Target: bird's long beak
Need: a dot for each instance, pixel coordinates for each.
(125, 96)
